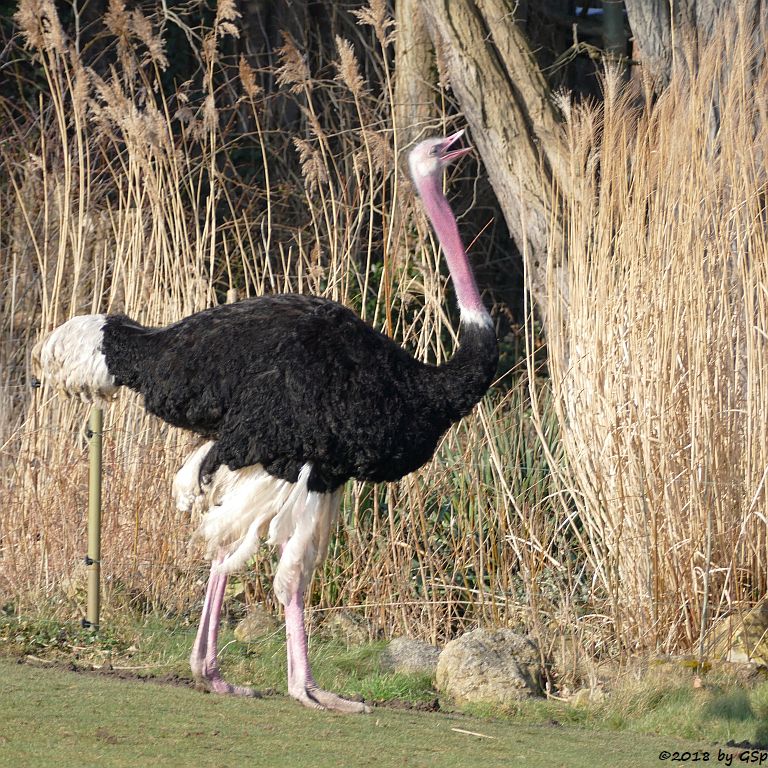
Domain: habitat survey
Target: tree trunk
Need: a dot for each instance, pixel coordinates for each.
(513, 121)
(415, 101)
(669, 32)
(614, 35)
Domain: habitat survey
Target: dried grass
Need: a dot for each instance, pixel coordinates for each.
(129, 203)
(620, 507)
(658, 354)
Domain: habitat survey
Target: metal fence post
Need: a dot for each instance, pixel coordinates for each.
(93, 558)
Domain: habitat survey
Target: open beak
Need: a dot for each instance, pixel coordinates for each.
(448, 155)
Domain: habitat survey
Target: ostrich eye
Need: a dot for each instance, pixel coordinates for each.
(433, 151)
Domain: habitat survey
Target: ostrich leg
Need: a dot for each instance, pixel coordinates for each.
(301, 684)
(204, 661)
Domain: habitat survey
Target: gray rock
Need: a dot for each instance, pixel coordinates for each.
(492, 666)
(349, 627)
(258, 623)
(403, 654)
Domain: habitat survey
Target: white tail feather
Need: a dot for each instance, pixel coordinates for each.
(325, 525)
(308, 545)
(281, 527)
(186, 484)
(244, 507)
(71, 358)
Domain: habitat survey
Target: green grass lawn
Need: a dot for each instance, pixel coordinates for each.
(131, 712)
(54, 717)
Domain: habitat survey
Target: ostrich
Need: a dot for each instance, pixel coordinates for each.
(294, 395)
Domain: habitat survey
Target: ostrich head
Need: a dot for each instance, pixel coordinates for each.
(428, 158)
(427, 161)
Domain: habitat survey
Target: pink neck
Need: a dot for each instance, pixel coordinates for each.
(444, 223)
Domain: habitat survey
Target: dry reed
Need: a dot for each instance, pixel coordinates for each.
(622, 506)
(129, 203)
(658, 354)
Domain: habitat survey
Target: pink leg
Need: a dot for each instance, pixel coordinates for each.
(204, 661)
(301, 684)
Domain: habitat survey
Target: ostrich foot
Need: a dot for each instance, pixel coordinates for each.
(316, 698)
(301, 683)
(215, 683)
(204, 659)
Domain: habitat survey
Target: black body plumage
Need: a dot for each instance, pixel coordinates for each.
(289, 379)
